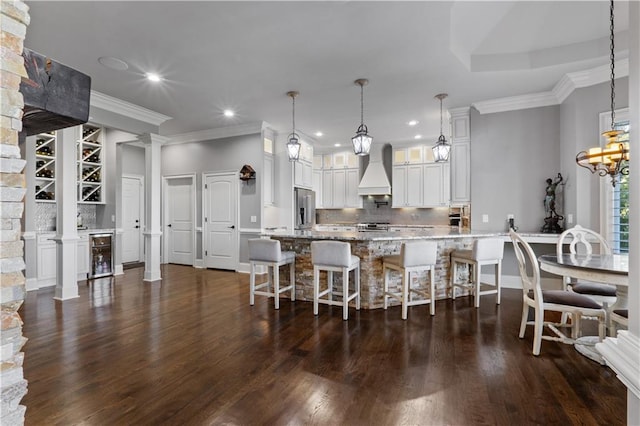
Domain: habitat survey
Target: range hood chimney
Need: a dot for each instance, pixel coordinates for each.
(375, 180)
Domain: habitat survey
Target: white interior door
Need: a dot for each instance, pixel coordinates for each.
(179, 226)
(132, 214)
(220, 221)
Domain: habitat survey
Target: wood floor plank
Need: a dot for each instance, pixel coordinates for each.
(190, 350)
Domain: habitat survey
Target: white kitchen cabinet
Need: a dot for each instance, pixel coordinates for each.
(83, 256)
(460, 172)
(303, 174)
(318, 162)
(340, 189)
(408, 155)
(46, 260)
(407, 186)
(317, 187)
(268, 180)
(435, 185)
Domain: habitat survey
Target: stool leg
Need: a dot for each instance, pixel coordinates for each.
(452, 279)
(406, 276)
(476, 277)
(498, 279)
(252, 284)
(276, 285)
(386, 287)
(345, 294)
(432, 278)
(330, 284)
(357, 286)
(316, 285)
(292, 279)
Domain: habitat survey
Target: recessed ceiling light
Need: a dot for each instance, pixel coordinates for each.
(337, 144)
(417, 137)
(229, 113)
(318, 134)
(113, 63)
(413, 122)
(153, 77)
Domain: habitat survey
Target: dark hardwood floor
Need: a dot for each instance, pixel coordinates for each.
(190, 350)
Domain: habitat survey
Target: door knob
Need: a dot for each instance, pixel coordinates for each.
(232, 227)
(169, 225)
(137, 226)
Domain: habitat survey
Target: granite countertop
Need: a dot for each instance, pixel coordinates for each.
(438, 232)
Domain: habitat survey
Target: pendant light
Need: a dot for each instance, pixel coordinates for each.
(612, 160)
(442, 147)
(361, 141)
(293, 142)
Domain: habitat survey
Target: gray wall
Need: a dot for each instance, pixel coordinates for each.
(133, 160)
(228, 154)
(579, 118)
(512, 154)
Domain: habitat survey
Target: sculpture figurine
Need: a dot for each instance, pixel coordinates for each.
(552, 219)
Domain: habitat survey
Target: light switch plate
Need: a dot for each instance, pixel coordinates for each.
(569, 218)
(254, 219)
(485, 218)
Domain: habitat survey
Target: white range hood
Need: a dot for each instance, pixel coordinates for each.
(375, 180)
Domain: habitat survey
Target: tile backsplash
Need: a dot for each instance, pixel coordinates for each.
(375, 211)
(46, 216)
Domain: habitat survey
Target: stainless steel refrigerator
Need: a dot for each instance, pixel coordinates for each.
(305, 208)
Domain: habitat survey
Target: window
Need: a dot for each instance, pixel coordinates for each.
(616, 206)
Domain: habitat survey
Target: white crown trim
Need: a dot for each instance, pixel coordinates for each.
(561, 91)
(218, 133)
(118, 106)
(456, 112)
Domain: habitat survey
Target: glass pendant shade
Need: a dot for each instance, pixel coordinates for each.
(361, 141)
(293, 147)
(441, 150)
(293, 140)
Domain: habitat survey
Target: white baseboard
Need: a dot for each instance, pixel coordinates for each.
(119, 270)
(31, 284)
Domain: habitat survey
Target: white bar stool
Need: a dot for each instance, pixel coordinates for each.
(414, 256)
(485, 251)
(268, 253)
(334, 256)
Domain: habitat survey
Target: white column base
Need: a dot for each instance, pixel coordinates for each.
(622, 354)
(119, 270)
(152, 256)
(67, 263)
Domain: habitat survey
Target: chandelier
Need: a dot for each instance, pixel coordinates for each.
(361, 141)
(293, 143)
(612, 160)
(442, 147)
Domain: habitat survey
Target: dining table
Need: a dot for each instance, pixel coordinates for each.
(603, 268)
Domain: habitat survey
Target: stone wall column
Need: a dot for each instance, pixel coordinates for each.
(13, 27)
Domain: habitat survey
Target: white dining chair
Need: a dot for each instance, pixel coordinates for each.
(541, 301)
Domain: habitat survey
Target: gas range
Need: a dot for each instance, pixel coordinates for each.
(373, 227)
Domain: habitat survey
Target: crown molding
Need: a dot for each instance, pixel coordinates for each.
(560, 92)
(219, 133)
(455, 112)
(118, 106)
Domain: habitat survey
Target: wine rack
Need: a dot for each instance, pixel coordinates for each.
(45, 180)
(90, 164)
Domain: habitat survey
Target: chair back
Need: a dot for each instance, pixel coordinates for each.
(488, 249)
(581, 241)
(528, 266)
(331, 253)
(264, 250)
(418, 253)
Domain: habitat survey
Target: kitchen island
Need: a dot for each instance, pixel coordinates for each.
(371, 247)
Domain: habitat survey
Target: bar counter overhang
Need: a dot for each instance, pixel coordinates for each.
(371, 247)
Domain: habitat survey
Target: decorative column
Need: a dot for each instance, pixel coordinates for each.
(153, 183)
(622, 354)
(66, 227)
(14, 18)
